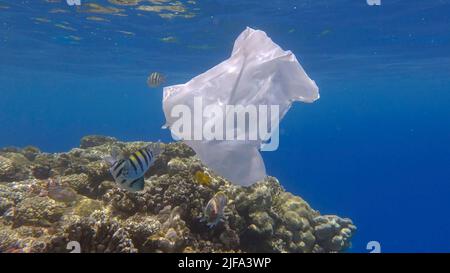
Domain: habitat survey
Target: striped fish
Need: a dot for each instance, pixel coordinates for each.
(129, 172)
(214, 210)
(155, 79)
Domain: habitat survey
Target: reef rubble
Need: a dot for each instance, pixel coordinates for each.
(38, 214)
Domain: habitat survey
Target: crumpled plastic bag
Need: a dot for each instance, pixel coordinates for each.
(258, 72)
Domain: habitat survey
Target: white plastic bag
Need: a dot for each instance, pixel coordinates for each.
(258, 73)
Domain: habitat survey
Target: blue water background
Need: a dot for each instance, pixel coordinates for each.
(375, 147)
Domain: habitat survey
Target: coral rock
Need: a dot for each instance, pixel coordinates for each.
(92, 141)
(88, 207)
(40, 211)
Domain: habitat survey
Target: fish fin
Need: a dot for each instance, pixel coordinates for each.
(110, 160)
(137, 185)
(158, 148)
(116, 153)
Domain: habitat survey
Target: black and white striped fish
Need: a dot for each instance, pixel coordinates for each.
(129, 172)
(155, 79)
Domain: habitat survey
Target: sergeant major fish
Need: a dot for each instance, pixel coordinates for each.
(129, 172)
(155, 79)
(214, 210)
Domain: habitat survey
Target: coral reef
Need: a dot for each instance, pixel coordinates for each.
(48, 200)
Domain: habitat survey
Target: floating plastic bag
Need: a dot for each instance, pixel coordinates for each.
(258, 76)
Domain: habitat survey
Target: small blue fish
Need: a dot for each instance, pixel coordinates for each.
(129, 172)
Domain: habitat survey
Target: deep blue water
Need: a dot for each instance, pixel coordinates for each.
(375, 147)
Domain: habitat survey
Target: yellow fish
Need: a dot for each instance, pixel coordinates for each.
(203, 178)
